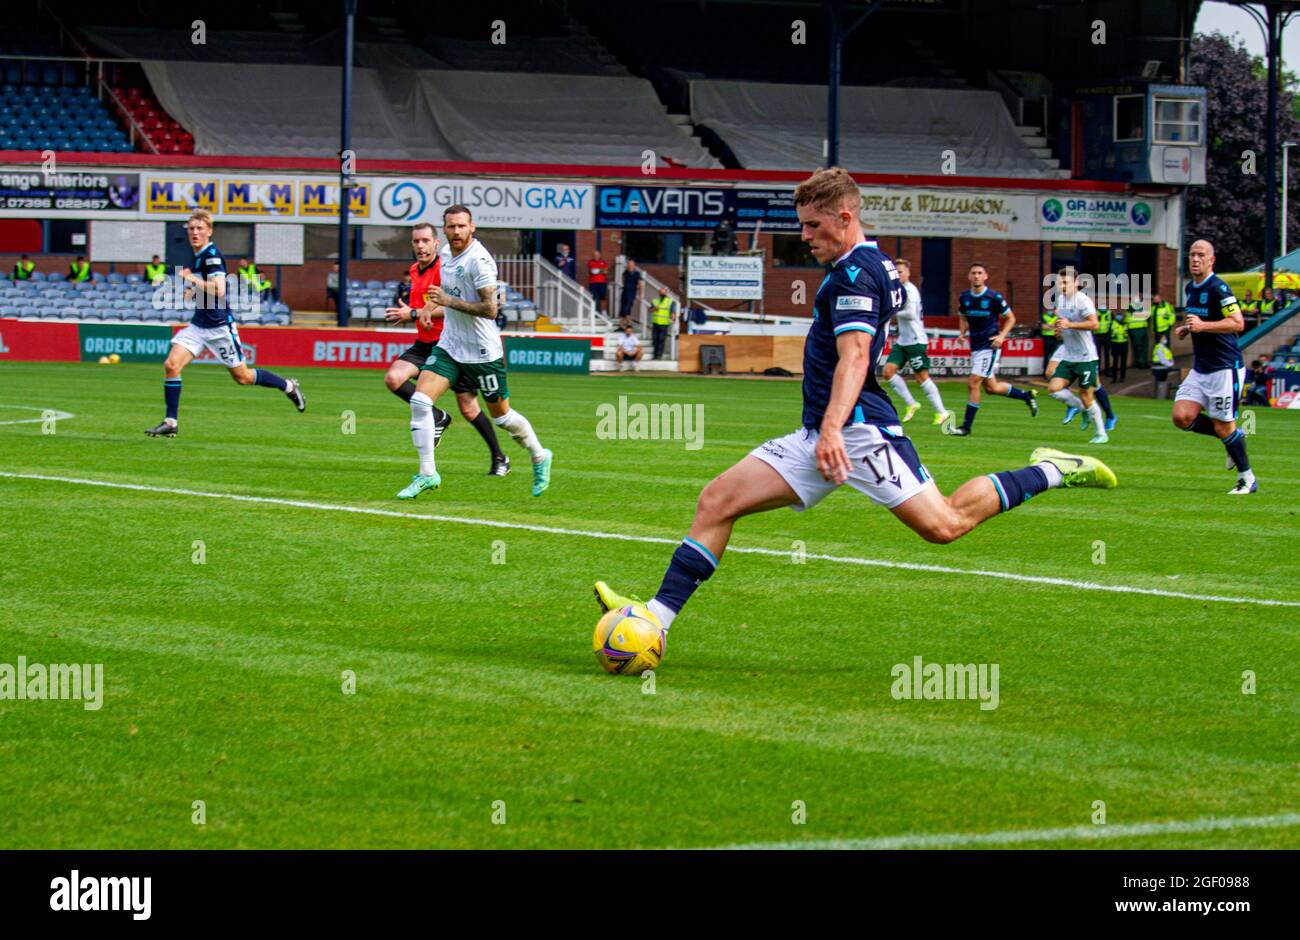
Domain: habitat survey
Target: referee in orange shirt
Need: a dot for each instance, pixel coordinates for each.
(401, 375)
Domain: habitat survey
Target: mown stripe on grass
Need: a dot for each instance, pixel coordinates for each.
(953, 840)
(656, 540)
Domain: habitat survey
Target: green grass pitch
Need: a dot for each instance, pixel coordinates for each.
(477, 696)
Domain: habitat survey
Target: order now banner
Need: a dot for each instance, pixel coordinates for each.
(44, 341)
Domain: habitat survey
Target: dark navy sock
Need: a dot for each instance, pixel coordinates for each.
(1202, 425)
(1016, 486)
(172, 396)
(1236, 446)
(269, 379)
(405, 390)
(483, 424)
(692, 564)
(1103, 399)
(972, 410)
(1019, 394)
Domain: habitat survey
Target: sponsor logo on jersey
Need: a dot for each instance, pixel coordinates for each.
(854, 303)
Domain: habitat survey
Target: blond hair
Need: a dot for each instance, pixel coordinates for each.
(829, 189)
(902, 263)
(202, 215)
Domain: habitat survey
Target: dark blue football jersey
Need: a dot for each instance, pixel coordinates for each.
(983, 313)
(1212, 300)
(210, 311)
(861, 291)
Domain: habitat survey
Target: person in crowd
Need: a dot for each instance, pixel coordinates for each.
(566, 262)
(629, 293)
(629, 350)
(332, 286)
(155, 272)
(23, 269)
(598, 279)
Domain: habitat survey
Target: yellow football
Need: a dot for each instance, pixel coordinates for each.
(629, 640)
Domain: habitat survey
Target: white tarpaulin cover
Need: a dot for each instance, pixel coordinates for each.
(405, 114)
(882, 129)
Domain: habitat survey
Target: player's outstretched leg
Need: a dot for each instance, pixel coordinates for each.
(477, 417)
(974, 383)
(1188, 415)
(1103, 399)
(177, 359)
(425, 432)
(749, 487)
(1028, 395)
(519, 427)
(898, 385)
(932, 395)
(243, 375)
(1073, 403)
(943, 519)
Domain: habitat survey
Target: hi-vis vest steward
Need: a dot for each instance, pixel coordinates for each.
(1103, 321)
(79, 272)
(1137, 317)
(662, 314)
(1165, 317)
(155, 272)
(1049, 322)
(1118, 331)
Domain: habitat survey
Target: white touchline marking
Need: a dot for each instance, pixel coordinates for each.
(947, 840)
(54, 414)
(655, 540)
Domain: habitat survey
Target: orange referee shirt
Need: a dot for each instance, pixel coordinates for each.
(422, 284)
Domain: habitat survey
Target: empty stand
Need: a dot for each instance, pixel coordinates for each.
(115, 298)
(57, 117)
(882, 130)
(422, 115)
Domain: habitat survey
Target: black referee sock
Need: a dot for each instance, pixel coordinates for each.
(484, 426)
(405, 390)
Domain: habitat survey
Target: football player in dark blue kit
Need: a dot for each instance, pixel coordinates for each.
(850, 432)
(987, 318)
(212, 327)
(1208, 399)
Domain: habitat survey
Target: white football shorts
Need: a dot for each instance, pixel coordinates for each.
(222, 340)
(885, 464)
(984, 362)
(1218, 392)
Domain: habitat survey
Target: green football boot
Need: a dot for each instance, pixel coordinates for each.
(419, 483)
(609, 600)
(1077, 470)
(542, 474)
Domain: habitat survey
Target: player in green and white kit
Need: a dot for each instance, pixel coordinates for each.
(470, 349)
(910, 350)
(1076, 321)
